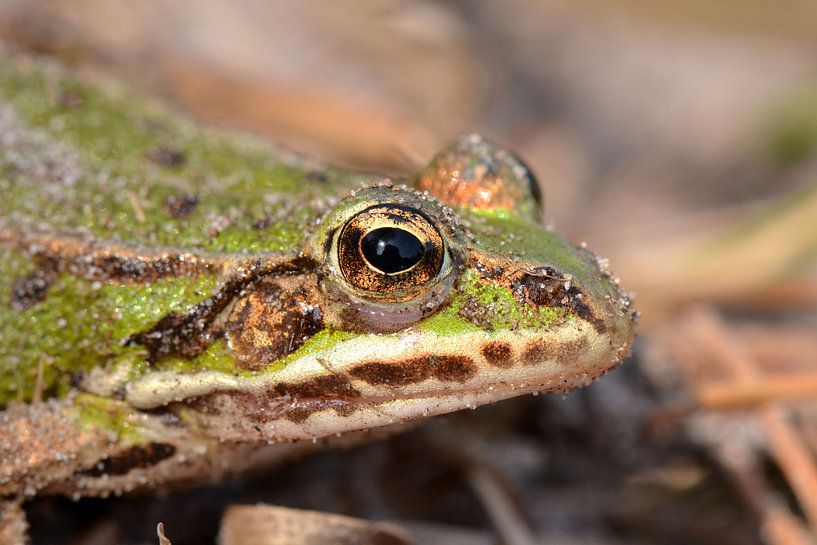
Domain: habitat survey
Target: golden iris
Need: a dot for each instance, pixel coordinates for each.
(390, 249)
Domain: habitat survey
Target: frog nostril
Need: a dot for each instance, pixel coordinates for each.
(391, 250)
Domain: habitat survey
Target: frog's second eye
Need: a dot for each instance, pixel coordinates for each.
(389, 251)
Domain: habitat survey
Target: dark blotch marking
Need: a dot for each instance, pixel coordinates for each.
(181, 206)
(302, 411)
(138, 270)
(498, 354)
(31, 289)
(272, 319)
(567, 353)
(181, 334)
(294, 402)
(135, 269)
(90, 260)
(87, 257)
(291, 401)
(135, 457)
(188, 334)
(444, 368)
(311, 396)
(318, 387)
(536, 352)
(165, 156)
(299, 414)
(263, 223)
(546, 287)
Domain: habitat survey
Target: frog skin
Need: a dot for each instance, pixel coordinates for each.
(180, 304)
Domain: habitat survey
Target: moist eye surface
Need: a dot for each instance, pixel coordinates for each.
(391, 250)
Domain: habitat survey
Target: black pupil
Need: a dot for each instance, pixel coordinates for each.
(391, 250)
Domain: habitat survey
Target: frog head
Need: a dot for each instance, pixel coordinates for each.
(414, 300)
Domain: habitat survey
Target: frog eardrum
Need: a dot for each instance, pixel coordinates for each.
(390, 254)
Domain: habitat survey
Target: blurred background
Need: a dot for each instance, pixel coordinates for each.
(678, 139)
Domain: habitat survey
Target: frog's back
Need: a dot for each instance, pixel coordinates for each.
(76, 156)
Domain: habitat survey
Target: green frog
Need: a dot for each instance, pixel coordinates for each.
(180, 304)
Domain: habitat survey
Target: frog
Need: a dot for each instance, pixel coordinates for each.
(181, 304)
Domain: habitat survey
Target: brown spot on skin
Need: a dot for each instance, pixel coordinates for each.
(31, 289)
(298, 414)
(566, 353)
(498, 354)
(346, 409)
(444, 368)
(294, 401)
(303, 409)
(263, 223)
(318, 387)
(135, 457)
(261, 408)
(316, 395)
(536, 352)
(273, 319)
(276, 403)
(181, 206)
(165, 156)
(178, 334)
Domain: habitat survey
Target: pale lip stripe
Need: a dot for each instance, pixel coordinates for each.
(598, 355)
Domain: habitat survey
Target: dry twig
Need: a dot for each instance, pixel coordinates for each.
(705, 336)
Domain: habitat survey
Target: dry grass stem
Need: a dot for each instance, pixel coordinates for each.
(712, 337)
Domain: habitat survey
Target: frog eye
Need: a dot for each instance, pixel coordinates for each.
(389, 251)
(390, 257)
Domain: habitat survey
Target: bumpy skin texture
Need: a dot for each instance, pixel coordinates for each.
(171, 308)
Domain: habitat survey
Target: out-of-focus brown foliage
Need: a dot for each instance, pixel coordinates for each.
(368, 85)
